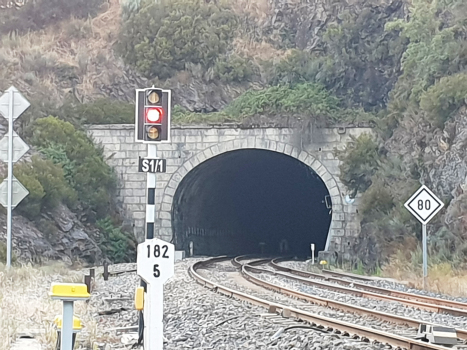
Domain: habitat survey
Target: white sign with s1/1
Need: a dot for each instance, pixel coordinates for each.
(148, 165)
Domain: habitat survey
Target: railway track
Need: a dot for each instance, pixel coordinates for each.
(248, 270)
(451, 307)
(342, 327)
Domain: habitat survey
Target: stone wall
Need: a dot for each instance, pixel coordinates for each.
(192, 145)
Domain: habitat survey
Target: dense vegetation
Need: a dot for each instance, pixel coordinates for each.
(404, 72)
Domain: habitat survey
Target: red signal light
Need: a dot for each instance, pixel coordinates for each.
(154, 114)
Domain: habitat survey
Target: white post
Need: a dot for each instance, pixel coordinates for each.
(153, 315)
(191, 248)
(66, 342)
(10, 177)
(425, 258)
(312, 253)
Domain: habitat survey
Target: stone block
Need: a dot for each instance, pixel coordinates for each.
(119, 154)
(280, 147)
(334, 191)
(163, 177)
(213, 139)
(288, 149)
(208, 153)
(302, 156)
(182, 171)
(272, 131)
(327, 177)
(170, 191)
(200, 157)
(336, 232)
(194, 139)
(321, 170)
(139, 192)
(166, 223)
(166, 207)
(161, 184)
(336, 208)
(337, 200)
(336, 224)
(165, 215)
(261, 143)
(188, 165)
(136, 207)
(331, 182)
(272, 145)
(295, 152)
(258, 132)
(167, 198)
(338, 216)
(131, 200)
(229, 132)
(135, 184)
(239, 143)
(139, 215)
(131, 162)
(228, 146)
(178, 138)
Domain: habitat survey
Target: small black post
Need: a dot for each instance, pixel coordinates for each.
(92, 273)
(87, 282)
(106, 270)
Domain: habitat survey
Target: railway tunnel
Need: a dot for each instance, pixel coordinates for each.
(251, 201)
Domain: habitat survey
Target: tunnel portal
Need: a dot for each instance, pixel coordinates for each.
(251, 201)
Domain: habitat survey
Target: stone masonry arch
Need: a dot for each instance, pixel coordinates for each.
(251, 142)
(193, 144)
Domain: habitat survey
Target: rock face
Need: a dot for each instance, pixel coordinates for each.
(65, 239)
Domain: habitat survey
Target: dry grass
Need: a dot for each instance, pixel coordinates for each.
(84, 45)
(442, 278)
(26, 306)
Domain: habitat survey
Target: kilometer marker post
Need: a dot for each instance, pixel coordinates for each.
(155, 265)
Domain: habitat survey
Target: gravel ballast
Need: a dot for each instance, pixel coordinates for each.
(197, 318)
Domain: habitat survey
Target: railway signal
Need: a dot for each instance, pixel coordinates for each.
(156, 258)
(153, 115)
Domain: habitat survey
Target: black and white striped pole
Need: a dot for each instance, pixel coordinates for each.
(155, 259)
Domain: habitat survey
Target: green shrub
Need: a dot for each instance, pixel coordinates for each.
(436, 47)
(102, 111)
(307, 101)
(57, 153)
(38, 14)
(92, 179)
(233, 69)
(376, 200)
(359, 162)
(304, 100)
(46, 185)
(445, 97)
(118, 246)
(161, 38)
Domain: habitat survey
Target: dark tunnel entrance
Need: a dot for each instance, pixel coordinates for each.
(249, 201)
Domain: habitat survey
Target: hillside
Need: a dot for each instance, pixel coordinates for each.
(399, 64)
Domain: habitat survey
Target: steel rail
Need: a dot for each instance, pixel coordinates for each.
(452, 307)
(461, 333)
(364, 333)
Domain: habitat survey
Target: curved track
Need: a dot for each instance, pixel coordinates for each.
(346, 328)
(451, 307)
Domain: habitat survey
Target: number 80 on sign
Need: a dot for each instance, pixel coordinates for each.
(155, 261)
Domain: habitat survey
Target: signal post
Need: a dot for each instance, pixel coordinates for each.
(155, 259)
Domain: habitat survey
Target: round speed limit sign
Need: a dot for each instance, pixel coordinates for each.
(155, 261)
